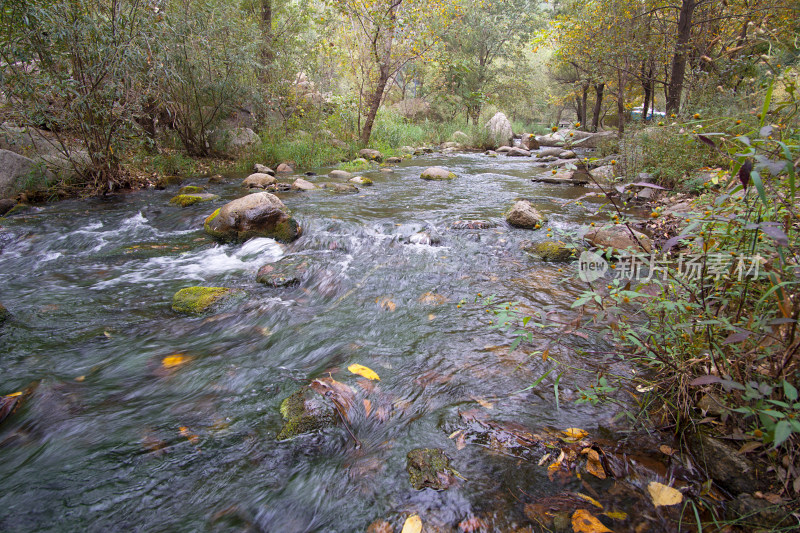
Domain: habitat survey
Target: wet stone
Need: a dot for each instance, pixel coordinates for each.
(287, 272)
(429, 468)
(305, 411)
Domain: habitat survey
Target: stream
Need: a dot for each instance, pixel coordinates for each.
(110, 440)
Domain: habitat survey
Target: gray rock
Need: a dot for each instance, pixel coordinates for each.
(394, 160)
(340, 175)
(370, 154)
(303, 185)
(17, 173)
(437, 174)
(547, 152)
(360, 180)
(499, 128)
(259, 180)
(567, 154)
(305, 411)
(759, 515)
(490, 153)
(529, 142)
(524, 215)
(235, 138)
(726, 466)
(255, 215)
(341, 145)
(460, 137)
(604, 174)
(430, 468)
(285, 168)
(6, 205)
(263, 169)
(518, 152)
(619, 238)
(503, 149)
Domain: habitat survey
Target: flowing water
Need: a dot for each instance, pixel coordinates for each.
(110, 440)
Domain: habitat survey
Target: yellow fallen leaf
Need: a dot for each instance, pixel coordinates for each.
(80, 379)
(413, 524)
(363, 371)
(666, 450)
(663, 494)
(14, 395)
(386, 303)
(575, 433)
(617, 515)
(431, 317)
(172, 361)
(593, 464)
(483, 403)
(194, 439)
(367, 407)
(590, 500)
(584, 522)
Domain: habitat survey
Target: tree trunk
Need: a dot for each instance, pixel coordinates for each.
(620, 104)
(374, 105)
(266, 40)
(678, 71)
(584, 105)
(598, 104)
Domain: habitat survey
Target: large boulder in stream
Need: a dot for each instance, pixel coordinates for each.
(499, 129)
(430, 468)
(256, 215)
(198, 300)
(524, 215)
(18, 172)
(619, 238)
(305, 411)
(437, 174)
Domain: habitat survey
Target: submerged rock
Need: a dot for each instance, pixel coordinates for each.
(304, 412)
(619, 238)
(283, 273)
(259, 180)
(430, 468)
(198, 300)
(473, 224)
(427, 238)
(256, 215)
(340, 187)
(524, 215)
(550, 251)
(4, 314)
(185, 200)
(437, 174)
(360, 180)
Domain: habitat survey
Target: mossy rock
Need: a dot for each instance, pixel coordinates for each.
(305, 411)
(185, 200)
(437, 174)
(17, 209)
(554, 252)
(165, 181)
(191, 189)
(198, 300)
(430, 468)
(360, 180)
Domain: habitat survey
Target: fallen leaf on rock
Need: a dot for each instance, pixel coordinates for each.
(413, 524)
(483, 403)
(367, 407)
(575, 433)
(663, 494)
(666, 450)
(431, 317)
(194, 439)
(584, 522)
(593, 464)
(172, 361)
(386, 303)
(340, 394)
(363, 371)
(750, 446)
(461, 442)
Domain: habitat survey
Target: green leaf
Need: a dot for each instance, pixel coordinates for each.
(767, 102)
(555, 389)
(756, 177)
(789, 391)
(537, 382)
(782, 432)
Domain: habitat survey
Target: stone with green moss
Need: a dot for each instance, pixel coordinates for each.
(185, 200)
(198, 300)
(191, 189)
(437, 174)
(305, 411)
(550, 251)
(255, 215)
(360, 180)
(430, 468)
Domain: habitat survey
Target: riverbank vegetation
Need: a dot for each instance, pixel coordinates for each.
(702, 95)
